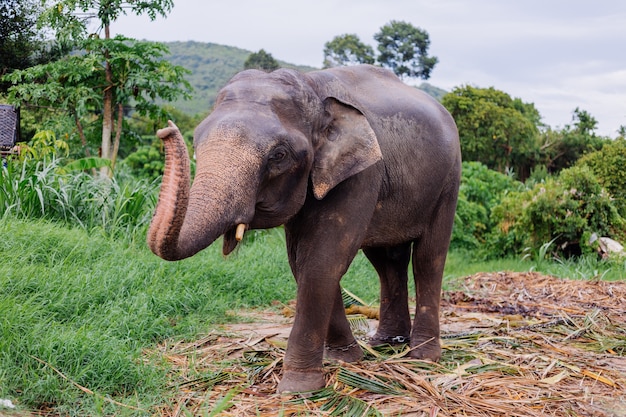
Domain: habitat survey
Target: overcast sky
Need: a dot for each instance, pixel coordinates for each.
(557, 54)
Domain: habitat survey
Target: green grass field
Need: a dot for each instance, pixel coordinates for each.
(79, 309)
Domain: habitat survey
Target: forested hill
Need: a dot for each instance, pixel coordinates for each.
(212, 65)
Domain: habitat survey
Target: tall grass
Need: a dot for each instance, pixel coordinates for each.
(46, 190)
(87, 305)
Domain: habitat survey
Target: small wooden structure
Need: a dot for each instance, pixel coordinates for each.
(9, 129)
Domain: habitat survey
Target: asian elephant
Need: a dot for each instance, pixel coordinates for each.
(345, 158)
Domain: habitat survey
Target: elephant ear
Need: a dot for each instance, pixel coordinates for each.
(348, 145)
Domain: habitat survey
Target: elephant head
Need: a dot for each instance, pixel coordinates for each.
(270, 137)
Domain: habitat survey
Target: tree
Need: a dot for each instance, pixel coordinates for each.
(561, 149)
(609, 166)
(70, 19)
(119, 71)
(403, 48)
(495, 129)
(262, 61)
(347, 50)
(73, 85)
(21, 43)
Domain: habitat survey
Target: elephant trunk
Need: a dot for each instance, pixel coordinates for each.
(188, 219)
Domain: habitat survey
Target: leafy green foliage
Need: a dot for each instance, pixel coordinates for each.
(481, 190)
(50, 190)
(147, 161)
(21, 43)
(347, 49)
(106, 75)
(70, 18)
(609, 166)
(73, 85)
(262, 61)
(403, 48)
(495, 129)
(562, 148)
(565, 211)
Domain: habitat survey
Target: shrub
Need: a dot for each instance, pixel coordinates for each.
(609, 166)
(481, 189)
(147, 162)
(564, 211)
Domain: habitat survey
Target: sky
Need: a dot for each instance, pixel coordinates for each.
(557, 54)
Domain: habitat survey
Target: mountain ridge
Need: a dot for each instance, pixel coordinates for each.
(212, 65)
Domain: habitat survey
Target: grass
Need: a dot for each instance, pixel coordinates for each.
(87, 306)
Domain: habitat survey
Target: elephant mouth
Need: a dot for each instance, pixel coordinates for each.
(232, 237)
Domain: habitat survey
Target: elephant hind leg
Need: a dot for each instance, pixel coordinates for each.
(429, 258)
(392, 263)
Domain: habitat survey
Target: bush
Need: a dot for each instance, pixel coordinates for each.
(481, 189)
(609, 166)
(147, 162)
(564, 211)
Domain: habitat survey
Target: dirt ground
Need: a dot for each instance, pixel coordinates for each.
(515, 344)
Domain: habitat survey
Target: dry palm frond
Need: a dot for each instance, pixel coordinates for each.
(513, 345)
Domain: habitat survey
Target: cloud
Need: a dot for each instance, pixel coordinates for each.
(558, 54)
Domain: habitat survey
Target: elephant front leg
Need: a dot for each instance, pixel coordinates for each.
(302, 368)
(340, 342)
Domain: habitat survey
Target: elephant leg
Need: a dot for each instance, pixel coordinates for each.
(392, 264)
(340, 342)
(318, 284)
(429, 258)
(322, 240)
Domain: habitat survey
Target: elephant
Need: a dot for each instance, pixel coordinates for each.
(347, 159)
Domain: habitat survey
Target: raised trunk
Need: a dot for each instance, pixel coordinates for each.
(188, 219)
(173, 198)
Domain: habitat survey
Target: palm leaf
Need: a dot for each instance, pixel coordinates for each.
(350, 299)
(372, 385)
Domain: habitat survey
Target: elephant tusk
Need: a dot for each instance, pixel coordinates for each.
(241, 228)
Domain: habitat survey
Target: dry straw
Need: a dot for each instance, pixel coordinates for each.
(515, 344)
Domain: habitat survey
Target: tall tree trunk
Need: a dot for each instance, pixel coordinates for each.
(81, 135)
(118, 135)
(107, 111)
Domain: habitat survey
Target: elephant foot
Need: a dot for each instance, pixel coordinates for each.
(347, 353)
(380, 339)
(301, 381)
(426, 348)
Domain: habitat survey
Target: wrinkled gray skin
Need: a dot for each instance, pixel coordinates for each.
(345, 158)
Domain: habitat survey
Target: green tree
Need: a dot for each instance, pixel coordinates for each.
(70, 19)
(495, 129)
(261, 60)
(609, 166)
(561, 149)
(110, 74)
(403, 48)
(347, 50)
(22, 44)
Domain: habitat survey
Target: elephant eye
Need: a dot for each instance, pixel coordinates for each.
(278, 155)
